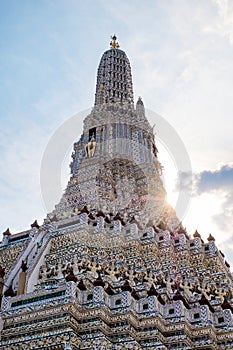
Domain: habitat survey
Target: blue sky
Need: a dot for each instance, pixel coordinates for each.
(181, 57)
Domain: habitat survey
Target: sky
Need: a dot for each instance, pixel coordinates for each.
(181, 55)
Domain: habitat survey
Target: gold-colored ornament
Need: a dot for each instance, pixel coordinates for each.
(114, 44)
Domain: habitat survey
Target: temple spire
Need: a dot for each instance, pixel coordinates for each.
(114, 80)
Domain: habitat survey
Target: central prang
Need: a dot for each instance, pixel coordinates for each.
(115, 168)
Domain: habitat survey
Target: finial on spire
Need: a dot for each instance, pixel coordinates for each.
(114, 44)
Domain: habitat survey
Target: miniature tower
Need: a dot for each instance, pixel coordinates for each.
(111, 267)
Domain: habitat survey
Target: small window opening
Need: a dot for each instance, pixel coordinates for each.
(90, 297)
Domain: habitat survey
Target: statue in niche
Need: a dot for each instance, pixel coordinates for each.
(90, 147)
(23, 266)
(22, 279)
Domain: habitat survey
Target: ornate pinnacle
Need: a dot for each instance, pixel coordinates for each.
(35, 224)
(114, 44)
(210, 238)
(196, 234)
(7, 232)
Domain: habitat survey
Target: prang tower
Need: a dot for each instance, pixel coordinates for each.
(111, 267)
(115, 168)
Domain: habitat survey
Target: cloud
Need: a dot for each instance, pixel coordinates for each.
(217, 182)
(220, 183)
(208, 181)
(224, 24)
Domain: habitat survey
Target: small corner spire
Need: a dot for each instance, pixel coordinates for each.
(114, 44)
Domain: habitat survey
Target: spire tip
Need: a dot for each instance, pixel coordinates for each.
(114, 44)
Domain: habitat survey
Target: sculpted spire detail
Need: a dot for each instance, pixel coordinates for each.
(114, 80)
